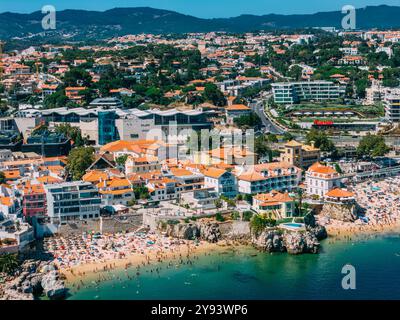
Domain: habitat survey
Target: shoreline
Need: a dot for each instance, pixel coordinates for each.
(188, 251)
(345, 231)
(185, 252)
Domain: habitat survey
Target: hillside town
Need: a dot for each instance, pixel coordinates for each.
(146, 141)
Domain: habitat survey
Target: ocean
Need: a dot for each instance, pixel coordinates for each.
(249, 274)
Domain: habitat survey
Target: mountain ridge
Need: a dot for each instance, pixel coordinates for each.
(89, 24)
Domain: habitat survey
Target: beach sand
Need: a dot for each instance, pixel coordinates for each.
(342, 231)
(181, 252)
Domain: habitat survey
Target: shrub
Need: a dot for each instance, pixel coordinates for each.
(247, 215)
(235, 215)
(219, 217)
(259, 222)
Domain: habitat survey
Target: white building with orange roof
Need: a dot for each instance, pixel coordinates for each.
(222, 181)
(188, 179)
(261, 178)
(340, 196)
(115, 191)
(137, 149)
(280, 205)
(164, 189)
(141, 164)
(321, 179)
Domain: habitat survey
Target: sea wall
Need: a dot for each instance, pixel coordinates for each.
(114, 224)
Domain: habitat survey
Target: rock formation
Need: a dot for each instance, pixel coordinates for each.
(342, 212)
(206, 231)
(32, 279)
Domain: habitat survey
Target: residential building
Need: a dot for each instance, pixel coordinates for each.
(300, 155)
(199, 200)
(70, 201)
(75, 93)
(163, 188)
(141, 164)
(189, 180)
(34, 201)
(115, 191)
(222, 181)
(321, 179)
(279, 205)
(262, 178)
(296, 92)
(392, 107)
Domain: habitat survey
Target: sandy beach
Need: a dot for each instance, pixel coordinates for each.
(180, 254)
(381, 202)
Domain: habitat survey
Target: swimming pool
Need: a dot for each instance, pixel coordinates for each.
(293, 225)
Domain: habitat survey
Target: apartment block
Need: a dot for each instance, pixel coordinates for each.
(296, 92)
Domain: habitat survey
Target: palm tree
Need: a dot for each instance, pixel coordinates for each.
(299, 196)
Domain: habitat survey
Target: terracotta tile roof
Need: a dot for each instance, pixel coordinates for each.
(321, 169)
(273, 196)
(94, 176)
(214, 172)
(236, 107)
(339, 193)
(6, 201)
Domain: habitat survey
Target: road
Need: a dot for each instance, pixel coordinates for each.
(258, 108)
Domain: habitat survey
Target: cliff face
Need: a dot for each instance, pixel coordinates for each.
(206, 231)
(346, 213)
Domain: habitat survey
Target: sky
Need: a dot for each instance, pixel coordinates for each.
(198, 8)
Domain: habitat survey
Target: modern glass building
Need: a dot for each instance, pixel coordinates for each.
(296, 92)
(106, 126)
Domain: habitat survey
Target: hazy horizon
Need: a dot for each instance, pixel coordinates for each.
(203, 9)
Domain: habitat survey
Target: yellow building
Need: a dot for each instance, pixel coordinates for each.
(300, 155)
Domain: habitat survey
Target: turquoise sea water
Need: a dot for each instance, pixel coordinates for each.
(248, 274)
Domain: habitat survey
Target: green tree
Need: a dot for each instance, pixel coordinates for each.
(121, 160)
(373, 146)
(79, 160)
(2, 177)
(8, 263)
(320, 140)
(141, 192)
(74, 133)
(248, 121)
(213, 94)
(260, 221)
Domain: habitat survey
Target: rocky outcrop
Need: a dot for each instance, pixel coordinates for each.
(300, 242)
(210, 232)
(186, 231)
(318, 231)
(33, 279)
(342, 212)
(206, 231)
(52, 285)
(292, 242)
